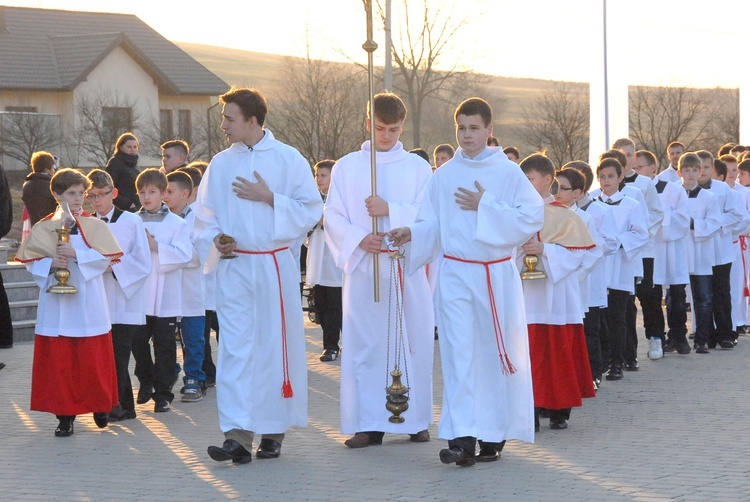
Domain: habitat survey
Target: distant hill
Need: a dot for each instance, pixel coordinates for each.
(265, 71)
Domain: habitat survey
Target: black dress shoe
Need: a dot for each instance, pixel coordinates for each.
(268, 448)
(488, 454)
(726, 344)
(144, 394)
(702, 348)
(230, 450)
(561, 425)
(632, 365)
(457, 455)
(101, 419)
(161, 407)
(420, 437)
(683, 347)
(362, 440)
(126, 415)
(65, 427)
(614, 373)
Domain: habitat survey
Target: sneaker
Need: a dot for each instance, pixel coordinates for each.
(161, 407)
(632, 365)
(329, 355)
(654, 349)
(193, 391)
(669, 346)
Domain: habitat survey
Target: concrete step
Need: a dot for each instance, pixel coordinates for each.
(23, 331)
(26, 290)
(14, 272)
(23, 310)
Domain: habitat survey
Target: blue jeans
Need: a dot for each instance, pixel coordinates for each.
(193, 346)
(702, 307)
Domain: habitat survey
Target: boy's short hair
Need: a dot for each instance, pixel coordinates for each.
(389, 108)
(100, 179)
(182, 179)
(151, 176)
(124, 138)
(614, 153)
(42, 161)
(444, 148)
(421, 152)
(618, 144)
(745, 165)
(725, 149)
(66, 178)
(737, 149)
(324, 164)
(705, 155)
(649, 156)
(689, 159)
(609, 162)
(575, 178)
(538, 162)
(200, 165)
(721, 168)
(251, 102)
(195, 174)
(675, 144)
(475, 106)
(585, 169)
(727, 158)
(512, 150)
(177, 144)
(493, 141)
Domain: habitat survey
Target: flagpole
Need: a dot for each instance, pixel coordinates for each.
(371, 46)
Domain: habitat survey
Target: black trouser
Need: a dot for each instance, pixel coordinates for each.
(161, 371)
(722, 329)
(617, 304)
(592, 326)
(122, 342)
(328, 307)
(6, 323)
(677, 312)
(212, 322)
(649, 296)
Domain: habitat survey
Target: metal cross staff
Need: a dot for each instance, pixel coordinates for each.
(371, 46)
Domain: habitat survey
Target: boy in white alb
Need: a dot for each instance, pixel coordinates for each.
(323, 275)
(348, 225)
(169, 241)
(123, 282)
(478, 207)
(705, 224)
(674, 151)
(193, 320)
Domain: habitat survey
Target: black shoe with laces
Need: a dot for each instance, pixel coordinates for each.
(329, 355)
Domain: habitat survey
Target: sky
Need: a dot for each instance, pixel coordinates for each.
(664, 42)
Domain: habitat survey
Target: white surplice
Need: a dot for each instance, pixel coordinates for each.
(670, 252)
(250, 368)
(367, 352)
(479, 398)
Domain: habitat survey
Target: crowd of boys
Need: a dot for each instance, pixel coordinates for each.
(450, 246)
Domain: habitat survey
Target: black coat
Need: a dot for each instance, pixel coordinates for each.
(37, 196)
(6, 214)
(124, 170)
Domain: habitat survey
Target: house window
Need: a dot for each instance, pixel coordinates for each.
(185, 125)
(22, 109)
(166, 125)
(116, 121)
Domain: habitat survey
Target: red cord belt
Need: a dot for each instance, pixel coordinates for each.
(508, 367)
(286, 387)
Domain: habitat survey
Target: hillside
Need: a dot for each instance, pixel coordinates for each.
(265, 71)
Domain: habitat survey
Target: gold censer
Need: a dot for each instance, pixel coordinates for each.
(531, 261)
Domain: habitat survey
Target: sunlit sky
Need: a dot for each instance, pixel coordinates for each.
(668, 42)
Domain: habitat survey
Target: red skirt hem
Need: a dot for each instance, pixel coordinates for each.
(560, 369)
(73, 376)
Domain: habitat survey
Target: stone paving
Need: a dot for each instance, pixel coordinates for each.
(675, 430)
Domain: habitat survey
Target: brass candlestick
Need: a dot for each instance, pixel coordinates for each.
(530, 272)
(227, 239)
(62, 274)
(396, 400)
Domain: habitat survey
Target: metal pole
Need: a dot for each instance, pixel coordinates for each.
(370, 46)
(606, 81)
(388, 77)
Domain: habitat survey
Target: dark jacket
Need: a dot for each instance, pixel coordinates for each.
(37, 196)
(124, 170)
(6, 211)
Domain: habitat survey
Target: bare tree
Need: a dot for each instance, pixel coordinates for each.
(418, 51)
(725, 115)
(558, 121)
(23, 133)
(103, 115)
(660, 115)
(322, 111)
